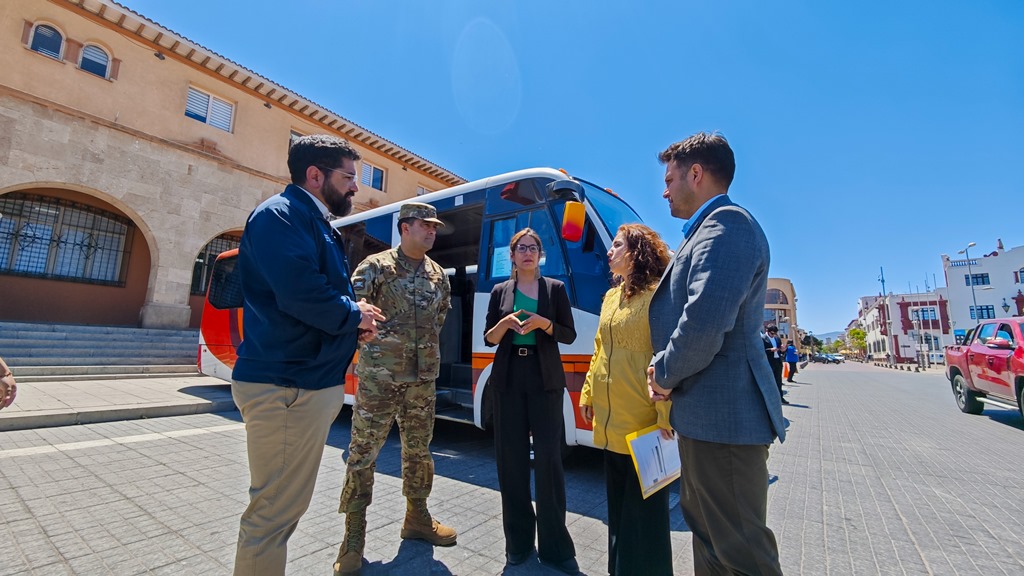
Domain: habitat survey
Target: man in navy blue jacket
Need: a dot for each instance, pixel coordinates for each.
(302, 324)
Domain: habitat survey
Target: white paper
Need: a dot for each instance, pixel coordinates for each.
(656, 459)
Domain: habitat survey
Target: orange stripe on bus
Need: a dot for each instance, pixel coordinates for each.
(573, 363)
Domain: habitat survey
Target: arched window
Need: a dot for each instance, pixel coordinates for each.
(776, 296)
(55, 238)
(95, 60)
(204, 261)
(47, 40)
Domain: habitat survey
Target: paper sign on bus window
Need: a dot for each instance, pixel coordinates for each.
(501, 264)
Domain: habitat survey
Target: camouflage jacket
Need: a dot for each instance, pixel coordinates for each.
(415, 298)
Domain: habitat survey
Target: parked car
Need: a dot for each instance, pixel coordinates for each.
(988, 367)
(825, 358)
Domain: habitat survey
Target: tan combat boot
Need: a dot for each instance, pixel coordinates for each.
(420, 525)
(350, 556)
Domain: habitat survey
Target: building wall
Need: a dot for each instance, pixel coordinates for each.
(127, 145)
(777, 312)
(891, 328)
(1003, 268)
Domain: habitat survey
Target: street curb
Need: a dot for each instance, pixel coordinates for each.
(53, 418)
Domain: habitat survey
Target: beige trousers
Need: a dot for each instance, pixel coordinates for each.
(285, 430)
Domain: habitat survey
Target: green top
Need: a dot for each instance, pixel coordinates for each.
(524, 302)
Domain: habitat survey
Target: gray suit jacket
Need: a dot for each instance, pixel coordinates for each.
(706, 316)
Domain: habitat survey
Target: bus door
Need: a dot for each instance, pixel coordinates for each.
(457, 250)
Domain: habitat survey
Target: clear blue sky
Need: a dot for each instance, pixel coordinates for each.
(867, 134)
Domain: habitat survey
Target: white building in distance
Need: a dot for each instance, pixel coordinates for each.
(984, 285)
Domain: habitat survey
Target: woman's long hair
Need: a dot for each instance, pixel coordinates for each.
(649, 255)
(512, 249)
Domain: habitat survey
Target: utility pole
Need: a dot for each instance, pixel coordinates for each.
(888, 317)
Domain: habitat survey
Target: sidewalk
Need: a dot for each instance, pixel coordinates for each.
(107, 399)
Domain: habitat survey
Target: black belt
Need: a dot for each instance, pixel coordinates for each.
(524, 350)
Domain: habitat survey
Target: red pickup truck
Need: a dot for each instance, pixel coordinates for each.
(988, 367)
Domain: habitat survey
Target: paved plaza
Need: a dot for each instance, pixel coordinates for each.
(881, 475)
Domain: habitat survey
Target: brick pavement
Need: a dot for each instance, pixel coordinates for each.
(881, 475)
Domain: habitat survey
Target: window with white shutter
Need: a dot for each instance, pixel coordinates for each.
(372, 176)
(220, 114)
(95, 60)
(209, 109)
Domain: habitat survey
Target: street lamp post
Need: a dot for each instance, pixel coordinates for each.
(970, 275)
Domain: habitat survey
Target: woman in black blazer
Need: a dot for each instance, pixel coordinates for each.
(528, 315)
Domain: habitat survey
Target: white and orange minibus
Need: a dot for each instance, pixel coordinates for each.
(576, 221)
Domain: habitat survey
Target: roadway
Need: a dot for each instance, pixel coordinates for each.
(881, 474)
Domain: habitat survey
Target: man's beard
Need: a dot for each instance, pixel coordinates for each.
(338, 202)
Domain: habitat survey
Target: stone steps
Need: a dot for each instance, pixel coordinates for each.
(46, 350)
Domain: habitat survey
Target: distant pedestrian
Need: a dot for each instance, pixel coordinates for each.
(792, 357)
(527, 317)
(615, 400)
(705, 317)
(302, 323)
(397, 374)
(775, 352)
(8, 387)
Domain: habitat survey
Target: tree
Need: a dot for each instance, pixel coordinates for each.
(858, 340)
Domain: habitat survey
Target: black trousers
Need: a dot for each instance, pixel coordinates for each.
(639, 536)
(724, 497)
(524, 407)
(776, 364)
(792, 371)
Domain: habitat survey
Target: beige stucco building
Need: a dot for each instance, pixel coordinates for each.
(780, 308)
(130, 155)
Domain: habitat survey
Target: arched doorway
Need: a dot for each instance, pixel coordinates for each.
(201, 271)
(68, 257)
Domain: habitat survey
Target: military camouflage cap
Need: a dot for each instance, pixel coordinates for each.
(421, 211)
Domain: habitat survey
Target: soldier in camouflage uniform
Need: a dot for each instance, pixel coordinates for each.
(396, 381)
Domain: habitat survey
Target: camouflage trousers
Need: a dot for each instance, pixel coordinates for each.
(379, 403)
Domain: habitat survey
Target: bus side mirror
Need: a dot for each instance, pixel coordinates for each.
(573, 220)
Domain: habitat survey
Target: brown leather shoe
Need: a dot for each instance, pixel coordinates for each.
(350, 557)
(419, 528)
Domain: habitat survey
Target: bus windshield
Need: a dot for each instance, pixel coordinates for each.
(610, 208)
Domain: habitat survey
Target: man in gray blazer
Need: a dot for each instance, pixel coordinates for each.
(706, 316)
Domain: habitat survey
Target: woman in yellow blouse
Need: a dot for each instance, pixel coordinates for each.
(616, 400)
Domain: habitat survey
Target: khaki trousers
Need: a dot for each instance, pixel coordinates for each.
(285, 430)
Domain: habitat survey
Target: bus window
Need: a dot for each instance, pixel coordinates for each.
(457, 244)
(552, 262)
(365, 238)
(515, 195)
(226, 284)
(588, 266)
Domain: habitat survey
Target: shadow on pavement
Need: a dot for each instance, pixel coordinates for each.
(212, 393)
(464, 453)
(1009, 418)
(414, 557)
